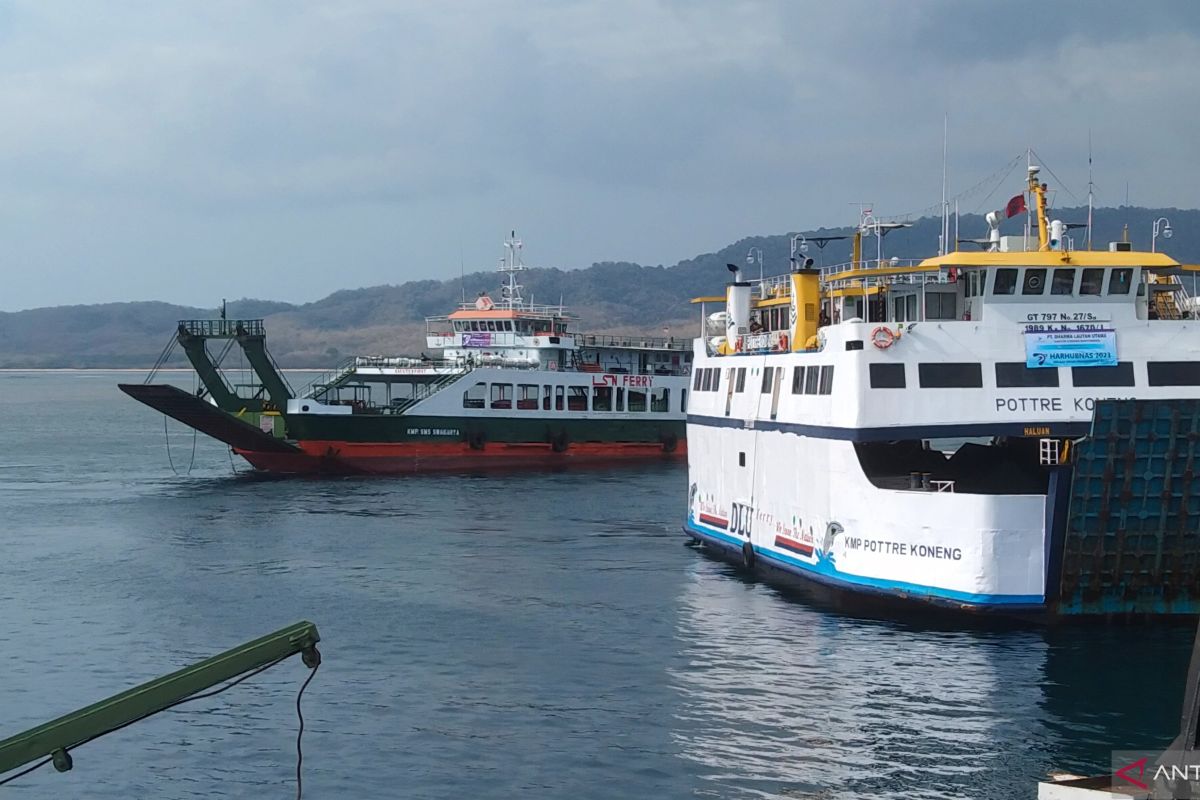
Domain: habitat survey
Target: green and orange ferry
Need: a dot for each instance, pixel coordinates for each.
(513, 386)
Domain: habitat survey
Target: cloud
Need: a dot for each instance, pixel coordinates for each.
(167, 148)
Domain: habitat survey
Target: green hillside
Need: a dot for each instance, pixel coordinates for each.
(609, 297)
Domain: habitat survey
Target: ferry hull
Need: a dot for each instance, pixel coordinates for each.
(341, 457)
(859, 600)
(1115, 536)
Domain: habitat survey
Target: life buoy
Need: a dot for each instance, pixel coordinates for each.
(882, 337)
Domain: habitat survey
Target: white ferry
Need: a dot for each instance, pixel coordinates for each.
(1015, 430)
(513, 385)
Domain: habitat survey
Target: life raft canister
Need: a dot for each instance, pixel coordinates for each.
(882, 337)
(484, 303)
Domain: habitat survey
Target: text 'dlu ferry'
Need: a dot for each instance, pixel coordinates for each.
(1014, 431)
(514, 386)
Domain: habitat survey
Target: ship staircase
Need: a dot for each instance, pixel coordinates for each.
(343, 376)
(1169, 298)
(1128, 508)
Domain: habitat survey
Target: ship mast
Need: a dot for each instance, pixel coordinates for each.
(511, 264)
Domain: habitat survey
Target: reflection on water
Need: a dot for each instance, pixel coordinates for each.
(533, 635)
(788, 701)
(783, 700)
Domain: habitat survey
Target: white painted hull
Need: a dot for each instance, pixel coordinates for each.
(819, 518)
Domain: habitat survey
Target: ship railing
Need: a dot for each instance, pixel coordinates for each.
(222, 328)
(334, 378)
(538, 309)
(780, 285)
(759, 343)
(632, 341)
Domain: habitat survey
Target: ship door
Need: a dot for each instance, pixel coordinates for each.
(729, 391)
(775, 392)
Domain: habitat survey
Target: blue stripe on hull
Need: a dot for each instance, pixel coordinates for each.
(1007, 603)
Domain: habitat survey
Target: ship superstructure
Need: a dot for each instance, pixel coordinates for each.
(1015, 430)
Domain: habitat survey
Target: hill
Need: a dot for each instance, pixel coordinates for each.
(609, 297)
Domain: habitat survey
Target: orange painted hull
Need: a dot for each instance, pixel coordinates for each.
(416, 457)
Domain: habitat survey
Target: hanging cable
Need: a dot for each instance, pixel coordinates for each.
(27, 770)
(1062, 184)
(300, 733)
(170, 460)
(299, 714)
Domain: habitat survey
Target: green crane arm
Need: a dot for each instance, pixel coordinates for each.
(56, 738)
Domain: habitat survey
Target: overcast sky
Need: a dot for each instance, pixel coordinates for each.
(189, 151)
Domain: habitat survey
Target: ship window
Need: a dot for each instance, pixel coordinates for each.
(898, 309)
(547, 394)
(1064, 281)
(527, 396)
(683, 400)
(939, 305)
(1006, 281)
(1174, 373)
(950, 375)
(559, 393)
(1120, 375)
(1014, 374)
(696, 379)
(1091, 282)
(620, 404)
(1035, 281)
(741, 380)
(1120, 280)
(660, 399)
(577, 400)
(637, 400)
(474, 396)
(797, 380)
(811, 378)
(502, 395)
(602, 398)
(716, 379)
(768, 373)
(826, 380)
(887, 376)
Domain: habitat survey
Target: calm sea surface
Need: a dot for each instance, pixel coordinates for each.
(522, 636)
